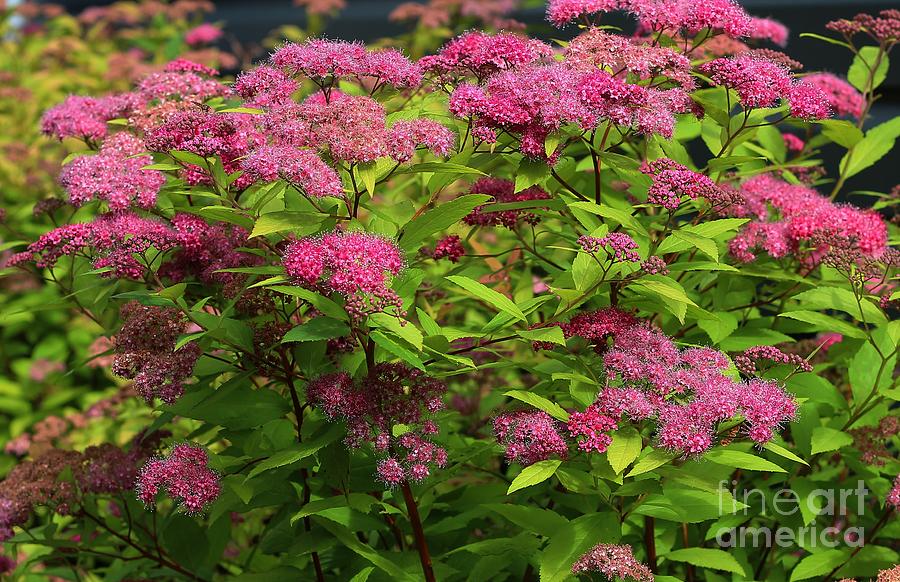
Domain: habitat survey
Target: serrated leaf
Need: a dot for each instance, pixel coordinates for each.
(707, 558)
(653, 459)
(862, 66)
(552, 334)
(818, 564)
(534, 474)
(494, 298)
(541, 403)
(825, 439)
(625, 447)
(440, 218)
(741, 460)
(319, 328)
(783, 452)
(300, 223)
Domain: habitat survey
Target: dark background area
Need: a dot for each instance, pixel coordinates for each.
(367, 20)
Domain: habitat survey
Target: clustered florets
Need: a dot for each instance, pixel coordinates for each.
(183, 475)
(529, 437)
(672, 180)
(786, 217)
(618, 245)
(145, 351)
(388, 397)
(688, 391)
(613, 561)
(449, 248)
(356, 265)
(503, 191)
(113, 175)
(748, 360)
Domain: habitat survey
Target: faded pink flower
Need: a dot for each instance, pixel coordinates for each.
(614, 562)
(183, 475)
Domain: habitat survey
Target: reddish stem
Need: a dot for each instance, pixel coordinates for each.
(418, 533)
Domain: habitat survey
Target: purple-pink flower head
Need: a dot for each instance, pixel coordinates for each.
(205, 33)
(672, 180)
(691, 16)
(768, 29)
(184, 476)
(351, 126)
(113, 175)
(182, 79)
(618, 245)
(596, 48)
(265, 86)
(406, 136)
(356, 265)
(503, 191)
(301, 167)
(561, 12)
(614, 562)
(371, 407)
(843, 98)
(481, 54)
(758, 82)
(530, 436)
(86, 117)
(808, 101)
(326, 61)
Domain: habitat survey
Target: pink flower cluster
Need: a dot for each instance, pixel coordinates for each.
(768, 29)
(228, 136)
(893, 496)
(113, 239)
(614, 562)
(184, 475)
(672, 180)
(86, 117)
(302, 168)
(325, 62)
(265, 86)
(672, 16)
(205, 33)
(597, 48)
(204, 249)
(503, 191)
(481, 54)
(884, 28)
(792, 142)
(114, 175)
(529, 437)
(356, 265)
(145, 351)
(619, 245)
(687, 391)
(786, 216)
(449, 248)
(747, 361)
(353, 128)
(182, 79)
(761, 82)
(374, 406)
(843, 98)
(537, 100)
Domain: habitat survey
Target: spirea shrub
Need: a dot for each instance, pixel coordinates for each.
(514, 310)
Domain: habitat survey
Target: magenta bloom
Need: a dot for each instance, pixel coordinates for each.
(759, 82)
(265, 86)
(301, 167)
(449, 248)
(205, 33)
(614, 562)
(792, 142)
(356, 265)
(391, 394)
(619, 245)
(481, 54)
(503, 191)
(530, 437)
(842, 97)
(672, 180)
(893, 496)
(808, 101)
(406, 136)
(561, 12)
(768, 29)
(86, 117)
(327, 61)
(183, 475)
(182, 79)
(113, 175)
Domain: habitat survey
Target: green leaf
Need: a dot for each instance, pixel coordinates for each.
(818, 564)
(319, 328)
(570, 542)
(823, 297)
(439, 218)
(541, 403)
(444, 168)
(620, 216)
(862, 66)
(704, 245)
(552, 334)
(841, 132)
(541, 521)
(707, 558)
(300, 223)
(863, 372)
(162, 166)
(825, 39)
(402, 329)
(824, 322)
(530, 172)
(534, 474)
(625, 447)
(825, 439)
(498, 300)
(740, 460)
(651, 460)
(878, 141)
(397, 348)
(783, 452)
(298, 452)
